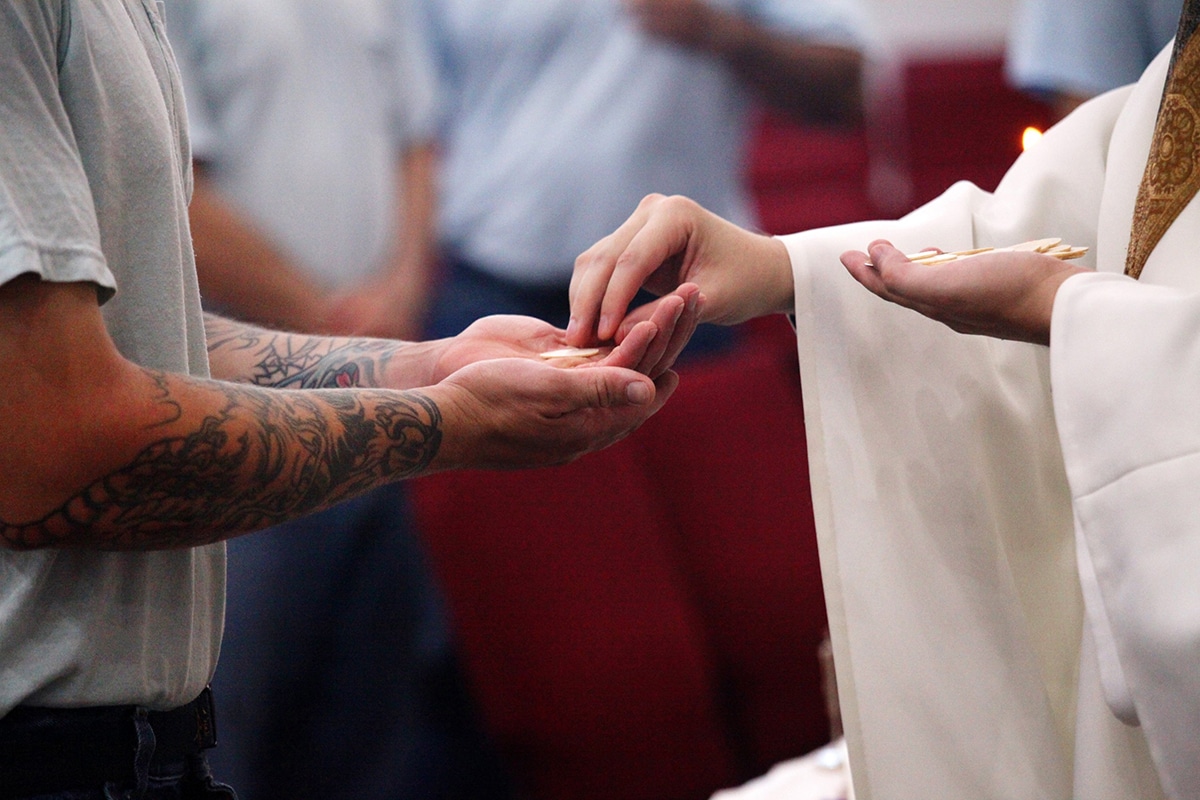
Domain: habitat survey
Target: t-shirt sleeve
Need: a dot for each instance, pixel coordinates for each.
(48, 223)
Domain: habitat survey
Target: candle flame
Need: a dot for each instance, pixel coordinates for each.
(1030, 137)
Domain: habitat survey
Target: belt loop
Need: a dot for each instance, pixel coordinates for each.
(206, 720)
(146, 741)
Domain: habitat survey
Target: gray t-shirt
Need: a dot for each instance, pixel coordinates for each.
(94, 183)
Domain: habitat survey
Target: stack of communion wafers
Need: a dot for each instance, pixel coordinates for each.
(1050, 247)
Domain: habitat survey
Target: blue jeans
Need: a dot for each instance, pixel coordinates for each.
(178, 777)
(184, 782)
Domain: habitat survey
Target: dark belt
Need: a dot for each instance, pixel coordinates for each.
(45, 750)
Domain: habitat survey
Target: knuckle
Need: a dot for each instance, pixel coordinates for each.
(678, 202)
(651, 199)
(624, 260)
(588, 256)
(602, 395)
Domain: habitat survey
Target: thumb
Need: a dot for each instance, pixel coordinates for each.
(612, 387)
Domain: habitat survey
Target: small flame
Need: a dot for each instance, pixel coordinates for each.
(1030, 137)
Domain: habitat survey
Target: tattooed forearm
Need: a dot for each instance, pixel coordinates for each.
(259, 458)
(299, 361)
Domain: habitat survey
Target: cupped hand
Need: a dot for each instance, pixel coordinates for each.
(518, 412)
(1004, 294)
(650, 347)
(666, 243)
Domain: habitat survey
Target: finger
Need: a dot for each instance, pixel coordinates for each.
(631, 352)
(654, 348)
(863, 270)
(934, 290)
(611, 388)
(665, 320)
(662, 236)
(676, 331)
(874, 270)
(590, 279)
(885, 255)
(684, 328)
(908, 283)
(617, 422)
(639, 395)
(643, 313)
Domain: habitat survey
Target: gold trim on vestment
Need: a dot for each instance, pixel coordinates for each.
(1173, 169)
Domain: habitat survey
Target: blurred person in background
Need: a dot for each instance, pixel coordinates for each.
(1066, 51)
(312, 211)
(559, 116)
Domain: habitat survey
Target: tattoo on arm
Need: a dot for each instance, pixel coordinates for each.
(300, 361)
(263, 457)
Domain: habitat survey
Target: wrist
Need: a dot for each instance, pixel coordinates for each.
(1047, 292)
(414, 364)
(468, 434)
(451, 450)
(781, 280)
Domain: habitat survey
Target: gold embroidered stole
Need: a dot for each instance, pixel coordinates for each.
(1173, 170)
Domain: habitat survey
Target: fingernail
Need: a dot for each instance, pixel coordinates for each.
(606, 322)
(572, 327)
(638, 393)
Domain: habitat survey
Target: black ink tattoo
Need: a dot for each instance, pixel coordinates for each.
(299, 361)
(264, 457)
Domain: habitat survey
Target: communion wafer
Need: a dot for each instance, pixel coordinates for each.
(1036, 246)
(571, 353)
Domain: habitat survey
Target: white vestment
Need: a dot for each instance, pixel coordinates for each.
(972, 660)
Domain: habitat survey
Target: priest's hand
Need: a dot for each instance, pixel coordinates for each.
(666, 244)
(1008, 295)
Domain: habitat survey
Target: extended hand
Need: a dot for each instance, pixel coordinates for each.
(650, 348)
(1008, 295)
(666, 243)
(520, 412)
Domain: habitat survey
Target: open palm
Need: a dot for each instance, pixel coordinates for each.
(650, 347)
